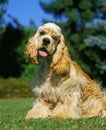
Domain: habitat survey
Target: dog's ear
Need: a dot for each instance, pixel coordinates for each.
(61, 59)
(32, 49)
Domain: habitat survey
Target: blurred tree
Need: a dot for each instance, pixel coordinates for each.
(3, 4)
(11, 39)
(97, 42)
(12, 50)
(74, 16)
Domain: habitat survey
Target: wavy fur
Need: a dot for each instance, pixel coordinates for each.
(32, 49)
(61, 59)
(61, 87)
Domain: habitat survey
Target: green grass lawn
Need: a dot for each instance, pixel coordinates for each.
(13, 111)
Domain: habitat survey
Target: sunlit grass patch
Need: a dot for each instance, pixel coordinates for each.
(13, 111)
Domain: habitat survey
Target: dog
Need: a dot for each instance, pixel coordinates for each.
(61, 87)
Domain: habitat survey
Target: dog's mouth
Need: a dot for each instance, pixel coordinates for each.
(43, 52)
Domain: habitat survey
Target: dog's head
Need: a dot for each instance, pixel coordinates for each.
(49, 42)
(48, 38)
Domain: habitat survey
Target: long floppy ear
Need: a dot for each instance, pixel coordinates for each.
(61, 59)
(32, 49)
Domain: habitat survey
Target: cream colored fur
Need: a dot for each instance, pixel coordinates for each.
(62, 89)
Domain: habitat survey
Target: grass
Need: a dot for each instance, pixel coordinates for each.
(13, 111)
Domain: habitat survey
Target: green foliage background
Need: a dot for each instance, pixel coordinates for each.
(84, 26)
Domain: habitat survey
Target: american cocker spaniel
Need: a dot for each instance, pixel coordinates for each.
(62, 89)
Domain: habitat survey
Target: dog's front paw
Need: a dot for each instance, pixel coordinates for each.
(30, 115)
(33, 114)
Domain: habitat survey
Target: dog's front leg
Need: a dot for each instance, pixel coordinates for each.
(39, 110)
(64, 111)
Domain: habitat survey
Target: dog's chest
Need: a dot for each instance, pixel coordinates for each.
(55, 80)
(52, 88)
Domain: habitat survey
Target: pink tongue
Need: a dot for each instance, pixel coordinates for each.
(42, 53)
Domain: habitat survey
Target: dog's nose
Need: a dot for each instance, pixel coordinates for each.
(46, 41)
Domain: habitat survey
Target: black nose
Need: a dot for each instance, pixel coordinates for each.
(46, 41)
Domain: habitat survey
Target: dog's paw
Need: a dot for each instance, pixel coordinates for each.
(33, 115)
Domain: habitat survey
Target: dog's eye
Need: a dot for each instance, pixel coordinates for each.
(42, 33)
(56, 38)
